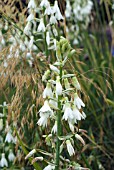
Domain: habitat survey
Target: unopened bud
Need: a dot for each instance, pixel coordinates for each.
(71, 53)
(80, 139)
(30, 153)
(76, 83)
(37, 159)
(67, 85)
(45, 76)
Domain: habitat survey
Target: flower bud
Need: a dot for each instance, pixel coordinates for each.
(71, 53)
(30, 153)
(67, 85)
(37, 159)
(80, 139)
(58, 87)
(76, 83)
(66, 47)
(1, 124)
(63, 41)
(45, 76)
(53, 68)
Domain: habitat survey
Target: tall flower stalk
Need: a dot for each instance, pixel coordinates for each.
(62, 103)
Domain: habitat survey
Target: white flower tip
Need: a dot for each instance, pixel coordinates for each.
(80, 139)
(30, 154)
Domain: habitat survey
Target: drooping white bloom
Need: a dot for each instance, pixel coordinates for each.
(43, 119)
(46, 108)
(32, 4)
(55, 32)
(45, 113)
(9, 138)
(57, 12)
(70, 148)
(71, 124)
(48, 10)
(30, 17)
(11, 156)
(67, 111)
(53, 19)
(53, 68)
(78, 102)
(44, 3)
(48, 38)
(3, 162)
(47, 91)
(49, 167)
(27, 29)
(1, 124)
(76, 113)
(58, 87)
(41, 26)
(54, 128)
(55, 44)
(30, 45)
(68, 9)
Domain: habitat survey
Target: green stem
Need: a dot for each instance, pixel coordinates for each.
(59, 127)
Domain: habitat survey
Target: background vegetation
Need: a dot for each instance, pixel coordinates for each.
(21, 86)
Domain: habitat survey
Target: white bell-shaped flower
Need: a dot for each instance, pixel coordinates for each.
(70, 148)
(78, 102)
(53, 19)
(30, 17)
(58, 87)
(48, 10)
(11, 156)
(71, 124)
(54, 128)
(27, 29)
(76, 113)
(3, 162)
(57, 12)
(47, 91)
(41, 26)
(46, 108)
(49, 167)
(32, 4)
(9, 138)
(30, 45)
(48, 38)
(67, 111)
(43, 119)
(44, 3)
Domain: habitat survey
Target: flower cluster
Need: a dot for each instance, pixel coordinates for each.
(7, 140)
(80, 10)
(62, 92)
